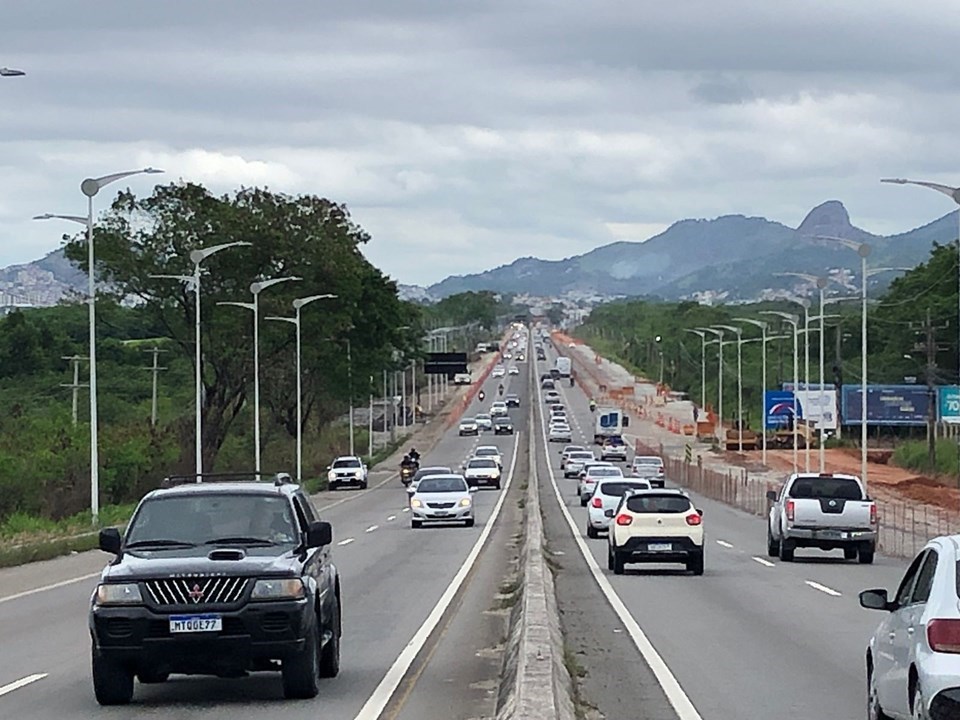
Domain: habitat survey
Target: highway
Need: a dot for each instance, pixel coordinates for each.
(397, 584)
(751, 638)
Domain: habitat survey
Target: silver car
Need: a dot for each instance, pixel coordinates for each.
(594, 473)
(442, 499)
(604, 501)
(913, 658)
(575, 462)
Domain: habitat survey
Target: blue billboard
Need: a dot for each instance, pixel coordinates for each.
(779, 408)
(949, 396)
(887, 404)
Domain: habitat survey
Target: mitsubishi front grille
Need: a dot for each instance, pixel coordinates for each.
(196, 591)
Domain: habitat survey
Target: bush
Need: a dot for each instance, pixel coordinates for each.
(912, 455)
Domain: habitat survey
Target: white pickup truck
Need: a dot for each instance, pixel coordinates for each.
(825, 511)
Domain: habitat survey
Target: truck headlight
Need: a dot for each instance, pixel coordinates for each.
(278, 589)
(118, 594)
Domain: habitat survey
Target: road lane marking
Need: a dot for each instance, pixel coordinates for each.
(377, 701)
(355, 495)
(822, 588)
(763, 561)
(44, 588)
(22, 682)
(676, 695)
(345, 542)
(371, 528)
(391, 518)
(724, 543)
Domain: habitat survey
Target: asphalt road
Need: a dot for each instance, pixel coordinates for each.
(392, 577)
(751, 638)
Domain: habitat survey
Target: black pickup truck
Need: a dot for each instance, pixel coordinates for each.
(222, 578)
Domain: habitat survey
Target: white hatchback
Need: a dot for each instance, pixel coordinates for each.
(499, 371)
(603, 503)
(595, 472)
(560, 433)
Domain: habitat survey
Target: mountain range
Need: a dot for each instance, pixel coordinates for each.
(730, 258)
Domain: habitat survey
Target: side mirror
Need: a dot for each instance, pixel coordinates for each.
(319, 534)
(772, 495)
(473, 488)
(626, 421)
(876, 600)
(110, 540)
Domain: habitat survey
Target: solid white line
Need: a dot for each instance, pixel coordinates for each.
(762, 561)
(681, 703)
(346, 542)
(44, 588)
(22, 682)
(371, 528)
(724, 543)
(392, 517)
(384, 691)
(822, 588)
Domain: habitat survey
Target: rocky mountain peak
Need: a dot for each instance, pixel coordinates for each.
(829, 218)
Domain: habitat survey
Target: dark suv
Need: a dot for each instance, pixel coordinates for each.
(221, 578)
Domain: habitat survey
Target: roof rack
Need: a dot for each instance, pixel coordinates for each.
(278, 478)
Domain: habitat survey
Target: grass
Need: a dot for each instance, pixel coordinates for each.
(20, 528)
(912, 455)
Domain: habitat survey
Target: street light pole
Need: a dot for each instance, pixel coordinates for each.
(794, 320)
(739, 333)
(719, 334)
(256, 288)
(298, 305)
(703, 365)
(763, 381)
(90, 187)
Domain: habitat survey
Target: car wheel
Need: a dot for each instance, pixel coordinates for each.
(695, 564)
(332, 485)
(469, 522)
(786, 550)
(592, 532)
(866, 555)
(583, 501)
(773, 547)
(874, 711)
(330, 655)
(919, 711)
(618, 563)
(301, 672)
(112, 682)
(609, 557)
(416, 524)
(363, 485)
(497, 486)
(151, 677)
(849, 553)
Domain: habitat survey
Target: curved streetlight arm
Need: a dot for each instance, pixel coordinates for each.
(53, 216)
(876, 271)
(714, 331)
(700, 333)
(248, 306)
(757, 323)
(731, 328)
(188, 279)
(300, 302)
(11, 72)
(819, 281)
(198, 256)
(951, 192)
(91, 186)
(863, 249)
(257, 287)
(292, 321)
(790, 318)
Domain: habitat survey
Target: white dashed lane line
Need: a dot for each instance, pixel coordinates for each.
(406, 509)
(371, 528)
(345, 542)
(823, 588)
(762, 561)
(391, 518)
(724, 543)
(22, 682)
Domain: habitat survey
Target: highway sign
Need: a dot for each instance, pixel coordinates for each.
(887, 404)
(949, 402)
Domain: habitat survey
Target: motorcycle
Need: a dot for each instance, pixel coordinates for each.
(501, 390)
(407, 472)
(481, 396)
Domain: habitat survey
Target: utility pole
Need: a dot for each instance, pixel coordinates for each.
(76, 384)
(156, 370)
(930, 347)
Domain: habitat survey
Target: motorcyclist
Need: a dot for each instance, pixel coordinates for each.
(414, 455)
(500, 389)
(481, 395)
(593, 404)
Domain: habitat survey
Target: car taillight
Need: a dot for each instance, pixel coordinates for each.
(790, 510)
(624, 519)
(597, 503)
(659, 471)
(694, 519)
(873, 513)
(944, 636)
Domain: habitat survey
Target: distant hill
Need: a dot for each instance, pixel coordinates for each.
(731, 257)
(45, 281)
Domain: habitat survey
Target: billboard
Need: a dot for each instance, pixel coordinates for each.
(778, 406)
(949, 403)
(817, 406)
(887, 404)
(445, 364)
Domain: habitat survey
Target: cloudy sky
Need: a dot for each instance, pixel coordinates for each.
(466, 134)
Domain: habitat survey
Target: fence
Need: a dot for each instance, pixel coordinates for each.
(903, 528)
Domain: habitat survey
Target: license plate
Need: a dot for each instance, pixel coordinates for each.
(660, 547)
(195, 623)
(441, 514)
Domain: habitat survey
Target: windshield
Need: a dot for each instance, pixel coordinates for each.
(442, 485)
(826, 487)
(482, 464)
(648, 503)
(201, 518)
(347, 463)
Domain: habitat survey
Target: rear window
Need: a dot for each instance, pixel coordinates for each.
(582, 456)
(648, 503)
(604, 472)
(826, 487)
(482, 464)
(616, 489)
(647, 461)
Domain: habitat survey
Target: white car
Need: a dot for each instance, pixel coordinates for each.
(484, 421)
(912, 661)
(489, 451)
(499, 408)
(499, 371)
(560, 433)
(482, 471)
(603, 503)
(347, 470)
(567, 449)
(656, 526)
(441, 498)
(514, 370)
(551, 396)
(575, 462)
(425, 472)
(591, 475)
(560, 418)
(469, 426)
(650, 467)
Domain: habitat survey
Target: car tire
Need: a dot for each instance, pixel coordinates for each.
(785, 550)
(497, 486)
(874, 711)
(151, 677)
(363, 485)
(112, 682)
(850, 553)
(618, 563)
(416, 524)
(583, 501)
(330, 654)
(866, 555)
(469, 522)
(592, 532)
(695, 564)
(301, 672)
(332, 485)
(609, 557)
(773, 547)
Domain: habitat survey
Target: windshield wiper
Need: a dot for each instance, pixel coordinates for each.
(240, 540)
(160, 543)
